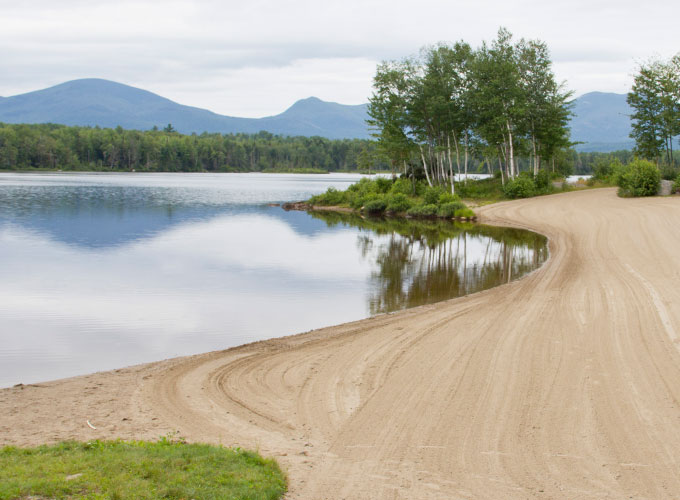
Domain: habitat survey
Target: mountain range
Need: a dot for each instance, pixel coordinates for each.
(601, 121)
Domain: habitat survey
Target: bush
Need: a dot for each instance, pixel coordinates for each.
(542, 180)
(603, 168)
(427, 210)
(669, 172)
(432, 194)
(676, 185)
(398, 202)
(331, 197)
(464, 213)
(519, 187)
(447, 197)
(364, 186)
(382, 184)
(640, 178)
(376, 205)
(489, 189)
(402, 186)
(449, 209)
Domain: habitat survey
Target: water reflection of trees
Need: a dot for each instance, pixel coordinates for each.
(421, 262)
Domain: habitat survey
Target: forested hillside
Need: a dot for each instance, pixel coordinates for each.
(74, 148)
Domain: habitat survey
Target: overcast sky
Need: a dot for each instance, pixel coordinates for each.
(256, 57)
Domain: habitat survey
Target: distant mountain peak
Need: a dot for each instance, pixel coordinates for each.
(601, 122)
(95, 101)
(601, 119)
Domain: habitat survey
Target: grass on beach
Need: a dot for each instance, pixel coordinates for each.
(168, 469)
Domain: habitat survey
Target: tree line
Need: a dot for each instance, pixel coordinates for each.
(50, 146)
(452, 103)
(655, 99)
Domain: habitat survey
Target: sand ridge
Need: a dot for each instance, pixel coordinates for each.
(564, 384)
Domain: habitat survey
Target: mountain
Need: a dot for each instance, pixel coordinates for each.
(109, 104)
(601, 119)
(601, 122)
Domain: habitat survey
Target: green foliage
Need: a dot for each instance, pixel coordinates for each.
(455, 98)
(449, 209)
(655, 100)
(447, 197)
(603, 168)
(542, 180)
(640, 178)
(382, 185)
(376, 205)
(676, 185)
(169, 469)
(669, 172)
(398, 203)
(331, 197)
(432, 194)
(403, 186)
(519, 187)
(48, 146)
(483, 189)
(375, 196)
(464, 213)
(424, 210)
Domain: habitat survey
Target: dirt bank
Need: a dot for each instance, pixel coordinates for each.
(565, 384)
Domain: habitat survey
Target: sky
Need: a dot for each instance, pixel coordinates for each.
(255, 58)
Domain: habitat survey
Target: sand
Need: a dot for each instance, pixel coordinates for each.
(565, 384)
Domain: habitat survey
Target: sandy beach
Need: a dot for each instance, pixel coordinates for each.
(562, 385)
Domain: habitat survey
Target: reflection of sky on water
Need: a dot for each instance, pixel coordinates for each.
(98, 272)
(103, 210)
(197, 287)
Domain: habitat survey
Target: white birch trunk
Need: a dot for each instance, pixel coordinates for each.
(466, 156)
(448, 143)
(511, 149)
(455, 143)
(427, 175)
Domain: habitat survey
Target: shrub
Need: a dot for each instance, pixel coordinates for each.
(427, 210)
(603, 168)
(519, 187)
(402, 186)
(376, 205)
(331, 197)
(398, 202)
(448, 198)
(489, 189)
(449, 209)
(464, 213)
(640, 178)
(432, 194)
(364, 187)
(382, 184)
(669, 172)
(542, 180)
(617, 171)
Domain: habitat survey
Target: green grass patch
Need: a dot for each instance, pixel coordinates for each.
(168, 469)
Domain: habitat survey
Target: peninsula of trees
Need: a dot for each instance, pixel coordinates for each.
(435, 112)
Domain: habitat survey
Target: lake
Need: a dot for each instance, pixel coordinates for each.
(100, 271)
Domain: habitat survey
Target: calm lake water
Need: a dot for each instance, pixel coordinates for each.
(99, 271)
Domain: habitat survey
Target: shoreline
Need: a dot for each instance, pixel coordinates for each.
(545, 386)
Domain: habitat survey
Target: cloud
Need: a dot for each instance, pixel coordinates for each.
(256, 58)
